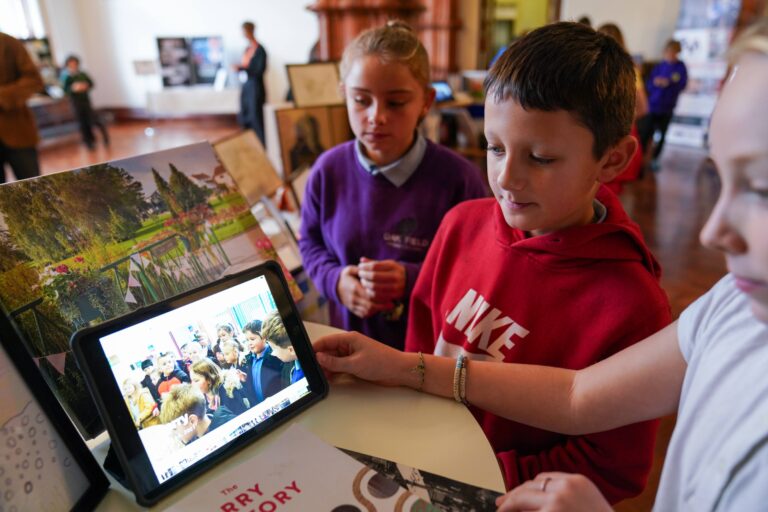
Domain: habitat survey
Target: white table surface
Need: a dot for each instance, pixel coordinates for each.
(427, 432)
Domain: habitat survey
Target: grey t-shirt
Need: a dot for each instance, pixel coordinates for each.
(718, 456)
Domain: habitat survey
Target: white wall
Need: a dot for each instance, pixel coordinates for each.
(646, 24)
(111, 34)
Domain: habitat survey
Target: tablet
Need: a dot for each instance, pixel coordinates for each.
(184, 383)
(443, 91)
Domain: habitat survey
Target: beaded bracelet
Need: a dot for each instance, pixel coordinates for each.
(421, 369)
(460, 380)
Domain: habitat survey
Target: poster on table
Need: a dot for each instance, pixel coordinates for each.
(704, 30)
(80, 247)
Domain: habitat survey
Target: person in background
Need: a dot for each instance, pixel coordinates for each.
(253, 94)
(274, 334)
(19, 79)
(265, 368)
(373, 204)
(635, 167)
(77, 85)
(209, 378)
(667, 80)
(151, 378)
(171, 374)
(140, 403)
(184, 407)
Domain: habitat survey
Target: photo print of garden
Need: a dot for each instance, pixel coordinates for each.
(80, 247)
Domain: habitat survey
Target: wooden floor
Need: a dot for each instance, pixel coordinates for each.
(670, 206)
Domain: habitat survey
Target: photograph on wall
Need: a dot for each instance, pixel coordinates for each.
(175, 61)
(80, 247)
(245, 160)
(207, 58)
(315, 84)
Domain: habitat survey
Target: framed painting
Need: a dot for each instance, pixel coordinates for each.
(315, 84)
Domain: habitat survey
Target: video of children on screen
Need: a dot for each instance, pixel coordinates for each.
(187, 386)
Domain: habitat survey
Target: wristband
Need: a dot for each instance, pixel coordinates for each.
(460, 380)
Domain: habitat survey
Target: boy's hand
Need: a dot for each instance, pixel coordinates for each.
(660, 81)
(554, 492)
(355, 297)
(383, 280)
(363, 357)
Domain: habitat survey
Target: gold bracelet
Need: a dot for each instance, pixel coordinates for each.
(463, 381)
(421, 369)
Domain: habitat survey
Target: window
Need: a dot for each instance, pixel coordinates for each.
(21, 18)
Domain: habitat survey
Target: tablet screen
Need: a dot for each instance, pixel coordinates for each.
(443, 91)
(199, 376)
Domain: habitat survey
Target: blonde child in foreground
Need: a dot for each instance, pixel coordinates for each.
(709, 366)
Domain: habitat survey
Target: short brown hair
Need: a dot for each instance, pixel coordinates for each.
(249, 26)
(394, 42)
(273, 330)
(568, 66)
(182, 399)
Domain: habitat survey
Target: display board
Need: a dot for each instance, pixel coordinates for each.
(175, 61)
(246, 161)
(84, 246)
(190, 60)
(44, 464)
(315, 84)
(207, 58)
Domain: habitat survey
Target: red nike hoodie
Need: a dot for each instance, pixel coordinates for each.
(566, 299)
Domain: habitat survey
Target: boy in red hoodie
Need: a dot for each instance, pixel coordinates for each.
(550, 271)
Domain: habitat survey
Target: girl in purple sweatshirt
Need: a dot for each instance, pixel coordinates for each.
(373, 205)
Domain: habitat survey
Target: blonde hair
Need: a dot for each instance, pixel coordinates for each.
(208, 370)
(394, 42)
(273, 330)
(752, 39)
(180, 400)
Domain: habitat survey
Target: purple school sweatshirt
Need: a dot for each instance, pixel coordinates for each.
(349, 213)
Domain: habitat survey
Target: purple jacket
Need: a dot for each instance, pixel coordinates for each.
(662, 100)
(349, 213)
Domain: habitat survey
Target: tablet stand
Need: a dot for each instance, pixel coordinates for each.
(112, 466)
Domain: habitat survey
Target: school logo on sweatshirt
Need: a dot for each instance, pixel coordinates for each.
(484, 326)
(401, 237)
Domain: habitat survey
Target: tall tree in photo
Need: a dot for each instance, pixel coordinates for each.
(169, 198)
(186, 192)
